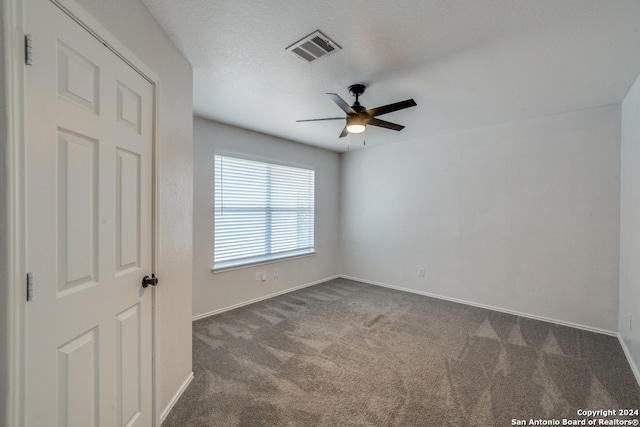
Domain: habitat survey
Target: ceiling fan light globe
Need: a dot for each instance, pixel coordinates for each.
(355, 128)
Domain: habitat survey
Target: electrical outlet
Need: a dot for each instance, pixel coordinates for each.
(421, 272)
(263, 276)
(257, 276)
(275, 273)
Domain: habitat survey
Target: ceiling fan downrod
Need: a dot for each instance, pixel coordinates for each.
(357, 90)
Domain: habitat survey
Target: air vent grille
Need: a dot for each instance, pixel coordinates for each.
(314, 46)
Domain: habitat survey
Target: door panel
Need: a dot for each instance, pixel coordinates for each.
(89, 142)
(78, 382)
(78, 78)
(127, 211)
(129, 375)
(77, 213)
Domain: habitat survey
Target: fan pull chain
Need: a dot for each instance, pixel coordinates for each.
(348, 141)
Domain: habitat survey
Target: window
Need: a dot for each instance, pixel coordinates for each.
(263, 212)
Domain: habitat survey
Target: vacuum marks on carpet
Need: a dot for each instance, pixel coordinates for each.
(344, 353)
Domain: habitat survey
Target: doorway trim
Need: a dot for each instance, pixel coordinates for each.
(14, 258)
(15, 276)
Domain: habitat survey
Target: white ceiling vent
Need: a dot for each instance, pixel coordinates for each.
(314, 46)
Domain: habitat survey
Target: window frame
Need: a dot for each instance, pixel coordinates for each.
(267, 258)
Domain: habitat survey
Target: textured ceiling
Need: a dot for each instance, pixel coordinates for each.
(466, 63)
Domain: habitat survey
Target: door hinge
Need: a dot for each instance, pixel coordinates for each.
(28, 50)
(29, 286)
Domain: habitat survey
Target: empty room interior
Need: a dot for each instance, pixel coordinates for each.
(410, 213)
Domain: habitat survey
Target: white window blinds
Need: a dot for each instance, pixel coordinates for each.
(263, 211)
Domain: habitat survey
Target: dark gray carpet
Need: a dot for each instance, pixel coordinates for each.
(345, 353)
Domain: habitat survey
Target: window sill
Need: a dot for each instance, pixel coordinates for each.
(232, 267)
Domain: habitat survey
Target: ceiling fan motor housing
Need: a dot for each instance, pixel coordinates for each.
(357, 90)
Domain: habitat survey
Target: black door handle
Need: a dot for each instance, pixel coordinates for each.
(146, 281)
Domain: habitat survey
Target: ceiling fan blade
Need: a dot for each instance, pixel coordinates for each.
(392, 107)
(384, 124)
(342, 103)
(344, 132)
(316, 120)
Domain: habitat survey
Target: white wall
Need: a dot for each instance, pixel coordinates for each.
(214, 292)
(630, 225)
(133, 25)
(523, 216)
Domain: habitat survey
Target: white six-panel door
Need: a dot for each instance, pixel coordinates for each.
(89, 138)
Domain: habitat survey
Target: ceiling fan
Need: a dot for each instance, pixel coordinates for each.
(358, 117)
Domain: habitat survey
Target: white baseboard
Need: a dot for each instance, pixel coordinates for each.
(488, 307)
(242, 304)
(632, 362)
(175, 397)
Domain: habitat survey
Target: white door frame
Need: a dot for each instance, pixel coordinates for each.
(15, 276)
(14, 211)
